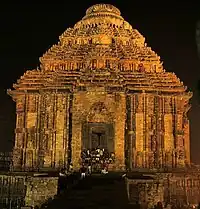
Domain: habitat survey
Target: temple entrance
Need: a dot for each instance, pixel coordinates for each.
(98, 138)
(98, 135)
(97, 145)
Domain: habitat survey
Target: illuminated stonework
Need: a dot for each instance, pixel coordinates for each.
(102, 74)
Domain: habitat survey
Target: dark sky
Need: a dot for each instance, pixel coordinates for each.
(28, 30)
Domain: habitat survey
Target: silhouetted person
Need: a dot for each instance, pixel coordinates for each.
(83, 171)
(89, 169)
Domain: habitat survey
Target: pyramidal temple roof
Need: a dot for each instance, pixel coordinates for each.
(101, 49)
(103, 34)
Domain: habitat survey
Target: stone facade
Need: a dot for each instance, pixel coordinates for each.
(101, 71)
(87, 109)
(145, 191)
(12, 190)
(20, 189)
(178, 187)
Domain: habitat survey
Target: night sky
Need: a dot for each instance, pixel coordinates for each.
(28, 30)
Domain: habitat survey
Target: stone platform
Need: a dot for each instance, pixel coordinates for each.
(26, 188)
(144, 187)
(178, 186)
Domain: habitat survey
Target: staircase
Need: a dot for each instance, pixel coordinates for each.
(96, 192)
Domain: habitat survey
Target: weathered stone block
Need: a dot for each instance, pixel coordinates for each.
(40, 189)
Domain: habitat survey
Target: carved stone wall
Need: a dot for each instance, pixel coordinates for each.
(87, 108)
(19, 132)
(12, 190)
(42, 131)
(182, 187)
(156, 128)
(147, 192)
(21, 190)
(186, 130)
(175, 188)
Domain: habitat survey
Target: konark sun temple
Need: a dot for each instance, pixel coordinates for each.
(102, 87)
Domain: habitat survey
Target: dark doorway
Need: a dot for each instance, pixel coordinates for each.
(98, 135)
(98, 138)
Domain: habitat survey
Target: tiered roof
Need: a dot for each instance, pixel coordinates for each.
(101, 49)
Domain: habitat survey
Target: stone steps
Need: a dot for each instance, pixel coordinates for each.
(97, 191)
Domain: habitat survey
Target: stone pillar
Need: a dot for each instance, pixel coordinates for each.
(179, 137)
(140, 131)
(133, 130)
(76, 133)
(149, 129)
(119, 133)
(60, 127)
(130, 132)
(187, 140)
(46, 127)
(146, 132)
(186, 128)
(31, 119)
(168, 139)
(29, 137)
(76, 145)
(180, 150)
(19, 133)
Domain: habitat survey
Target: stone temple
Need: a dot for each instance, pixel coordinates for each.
(101, 86)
